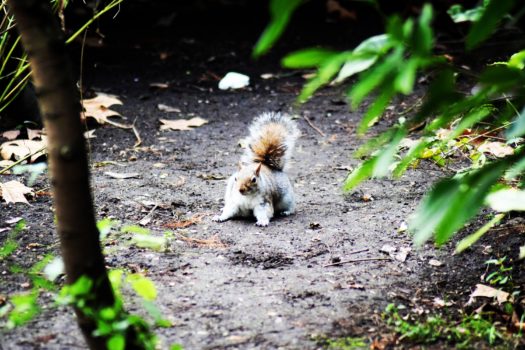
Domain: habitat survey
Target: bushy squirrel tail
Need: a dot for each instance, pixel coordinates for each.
(271, 140)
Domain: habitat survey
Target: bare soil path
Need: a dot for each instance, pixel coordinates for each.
(234, 285)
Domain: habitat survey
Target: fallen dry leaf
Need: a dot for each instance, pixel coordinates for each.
(159, 85)
(434, 262)
(498, 149)
(90, 134)
(14, 191)
(11, 134)
(34, 133)
(6, 163)
(122, 175)
(18, 149)
(403, 254)
(14, 220)
(195, 219)
(489, 292)
(182, 124)
(168, 109)
(211, 176)
(98, 107)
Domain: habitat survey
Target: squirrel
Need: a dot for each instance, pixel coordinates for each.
(260, 187)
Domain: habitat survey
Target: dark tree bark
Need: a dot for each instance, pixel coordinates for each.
(59, 103)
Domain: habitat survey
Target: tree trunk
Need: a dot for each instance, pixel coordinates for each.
(59, 103)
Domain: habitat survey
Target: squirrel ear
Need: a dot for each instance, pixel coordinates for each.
(258, 170)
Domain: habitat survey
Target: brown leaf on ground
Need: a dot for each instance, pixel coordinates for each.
(34, 133)
(384, 342)
(6, 163)
(211, 176)
(182, 124)
(98, 107)
(213, 242)
(195, 219)
(489, 292)
(161, 86)
(498, 149)
(14, 191)
(122, 175)
(168, 109)
(15, 150)
(11, 134)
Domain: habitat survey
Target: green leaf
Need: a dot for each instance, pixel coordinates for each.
(517, 60)
(441, 93)
(375, 45)
(115, 278)
(353, 66)
(82, 286)
(486, 25)
(375, 143)
(423, 39)
(307, 58)
(375, 77)
(376, 109)
(458, 14)
(413, 153)
(474, 116)
(108, 313)
(507, 200)
(176, 347)
(468, 241)
(280, 12)
(143, 286)
(501, 77)
(117, 342)
(378, 165)
(517, 129)
(452, 202)
(385, 158)
(25, 308)
(326, 72)
(404, 81)
(516, 170)
(151, 242)
(155, 313)
(104, 226)
(363, 172)
(135, 229)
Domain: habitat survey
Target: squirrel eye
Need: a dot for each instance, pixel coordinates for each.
(254, 179)
(235, 178)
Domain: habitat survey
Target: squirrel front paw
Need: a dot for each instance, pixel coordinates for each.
(262, 223)
(218, 218)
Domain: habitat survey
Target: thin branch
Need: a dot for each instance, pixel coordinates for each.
(4, 170)
(355, 261)
(314, 127)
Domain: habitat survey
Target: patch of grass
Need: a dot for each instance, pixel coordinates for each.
(347, 343)
(464, 333)
(343, 343)
(10, 244)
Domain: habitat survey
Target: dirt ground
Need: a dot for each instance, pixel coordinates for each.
(244, 287)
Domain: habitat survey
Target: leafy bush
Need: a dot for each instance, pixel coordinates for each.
(388, 66)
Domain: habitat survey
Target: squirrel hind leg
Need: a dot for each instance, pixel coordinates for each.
(286, 205)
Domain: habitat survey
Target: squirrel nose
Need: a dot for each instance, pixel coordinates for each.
(242, 190)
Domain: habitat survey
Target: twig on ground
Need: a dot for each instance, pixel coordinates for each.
(313, 126)
(355, 261)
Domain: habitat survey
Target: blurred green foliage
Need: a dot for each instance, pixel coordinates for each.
(388, 65)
